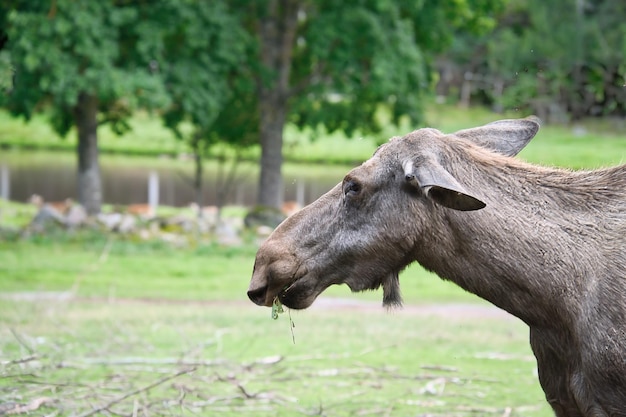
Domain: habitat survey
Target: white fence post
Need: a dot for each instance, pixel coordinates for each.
(153, 191)
(4, 182)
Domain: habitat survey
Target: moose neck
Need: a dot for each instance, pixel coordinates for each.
(514, 252)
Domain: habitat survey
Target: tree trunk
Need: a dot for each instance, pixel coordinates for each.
(277, 33)
(271, 136)
(89, 183)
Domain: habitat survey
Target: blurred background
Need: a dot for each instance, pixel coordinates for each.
(148, 147)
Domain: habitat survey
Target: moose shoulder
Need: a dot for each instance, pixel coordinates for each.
(547, 245)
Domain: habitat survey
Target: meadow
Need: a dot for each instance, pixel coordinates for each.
(111, 327)
(108, 325)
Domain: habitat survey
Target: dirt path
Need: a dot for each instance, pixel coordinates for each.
(465, 310)
(441, 309)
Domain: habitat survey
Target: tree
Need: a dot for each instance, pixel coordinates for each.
(86, 63)
(201, 81)
(570, 67)
(337, 63)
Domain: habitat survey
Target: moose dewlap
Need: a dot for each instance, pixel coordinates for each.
(547, 245)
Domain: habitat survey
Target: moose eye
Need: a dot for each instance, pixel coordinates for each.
(351, 188)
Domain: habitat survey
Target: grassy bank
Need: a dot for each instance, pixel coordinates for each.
(585, 144)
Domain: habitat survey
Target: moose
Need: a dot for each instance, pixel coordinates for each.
(548, 245)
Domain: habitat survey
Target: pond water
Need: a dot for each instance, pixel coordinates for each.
(125, 179)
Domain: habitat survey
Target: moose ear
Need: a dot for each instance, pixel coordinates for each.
(441, 186)
(507, 137)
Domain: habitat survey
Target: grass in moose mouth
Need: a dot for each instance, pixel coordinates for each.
(277, 308)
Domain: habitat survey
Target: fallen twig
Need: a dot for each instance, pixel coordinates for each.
(137, 391)
(442, 368)
(20, 360)
(147, 361)
(13, 408)
(245, 393)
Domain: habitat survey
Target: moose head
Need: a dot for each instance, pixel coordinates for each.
(384, 215)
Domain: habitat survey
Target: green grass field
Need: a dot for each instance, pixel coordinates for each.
(94, 266)
(109, 326)
(131, 357)
(106, 326)
(114, 326)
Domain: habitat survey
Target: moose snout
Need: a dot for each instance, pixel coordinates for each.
(259, 284)
(274, 270)
(258, 295)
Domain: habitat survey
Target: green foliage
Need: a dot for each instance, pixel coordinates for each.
(438, 23)
(6, 73)
(369, 57)
(336, 64)
(90, 63)
(204, 46)
(354, 57)
(167, 55)
(576, 63)
(194, 60)
(65, 48)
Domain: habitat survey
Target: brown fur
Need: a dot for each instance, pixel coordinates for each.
(548, 247)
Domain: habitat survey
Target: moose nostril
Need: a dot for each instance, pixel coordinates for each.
(257, 295)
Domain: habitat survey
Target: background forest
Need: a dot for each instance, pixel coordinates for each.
(239, 71)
